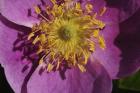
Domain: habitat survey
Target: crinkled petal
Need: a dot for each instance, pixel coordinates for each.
(128, 42)
(95, 80)
(126, 7)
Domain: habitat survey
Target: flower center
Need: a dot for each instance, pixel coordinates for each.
(65, 33)
(67, 36)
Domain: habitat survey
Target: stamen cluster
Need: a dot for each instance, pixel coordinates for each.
(67, 34)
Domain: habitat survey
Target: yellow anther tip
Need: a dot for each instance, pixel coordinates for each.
(37, 10)
(82, 68)
(67, 34)
(102, 11)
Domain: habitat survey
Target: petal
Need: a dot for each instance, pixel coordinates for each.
(128, 42)
(126, 7)
(7, 37)
(110, 56)
(95, 80)
(108, 53)
(19, 11)
(102, 84)
(98, 4)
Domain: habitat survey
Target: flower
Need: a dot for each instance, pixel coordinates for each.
(95, 68)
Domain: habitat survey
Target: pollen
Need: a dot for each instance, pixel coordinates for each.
(68, 35)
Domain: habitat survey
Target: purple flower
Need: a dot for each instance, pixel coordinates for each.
(32, 65)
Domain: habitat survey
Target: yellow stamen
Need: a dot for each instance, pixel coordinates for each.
(37, 10)
(53, 1)
(89, 7)
(50, 67)
(102, 11)
(58, 65)
(96, 33)
(78, 6)
(41, 61)
(36, 40)
(94, 16)
(82, 68)
(39, 50)
(92, 46)
(69, 35)
(30, 36)
(102, 42)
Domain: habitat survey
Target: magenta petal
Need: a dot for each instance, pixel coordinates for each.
(96, 79)
(128, 42)
(102, 84)
(97, 4)
(110, 57)
(7, 37)
(18, 11)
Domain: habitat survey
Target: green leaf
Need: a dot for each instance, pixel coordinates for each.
(131, 83)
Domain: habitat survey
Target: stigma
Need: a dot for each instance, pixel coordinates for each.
(67, 35)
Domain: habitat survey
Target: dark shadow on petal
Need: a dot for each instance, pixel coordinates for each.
(43, 2)
(103, 82)
(25, 68)
(63, 70)
(19, 28)
(29, 12)
(59, 2)
(28, 76)
(129, 43)
(25, 46)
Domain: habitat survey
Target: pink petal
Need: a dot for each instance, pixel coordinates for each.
(110, 57)
(18, 11)
(96, 79)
